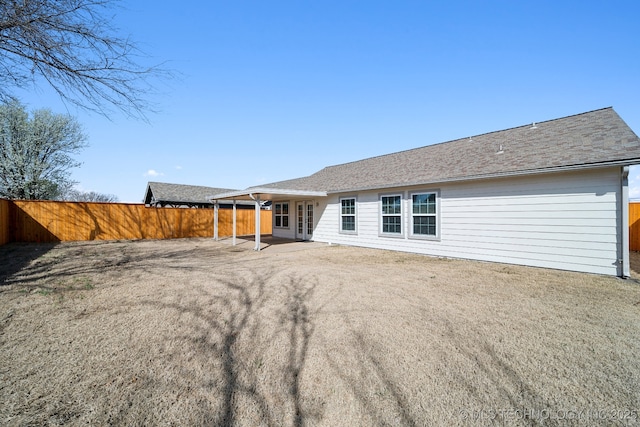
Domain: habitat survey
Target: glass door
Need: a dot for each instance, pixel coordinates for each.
(300, 220)
(309, 221)
(304, 220)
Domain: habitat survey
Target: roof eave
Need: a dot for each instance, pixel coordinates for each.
(555, 169)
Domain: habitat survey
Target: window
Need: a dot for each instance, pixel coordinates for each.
(391, 212)
(424, 215)
(348, 215)
(281, 215)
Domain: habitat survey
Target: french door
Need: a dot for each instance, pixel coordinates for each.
(304, 220)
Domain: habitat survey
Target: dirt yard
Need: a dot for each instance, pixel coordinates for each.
(197, 332)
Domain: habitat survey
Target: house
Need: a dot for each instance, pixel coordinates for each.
(162, 194)
(550, 194)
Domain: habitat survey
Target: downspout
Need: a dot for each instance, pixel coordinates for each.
(257, 200)
(626, 273)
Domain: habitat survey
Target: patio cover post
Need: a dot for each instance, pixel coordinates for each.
(215, 220)
(234, 222)
(257, 199)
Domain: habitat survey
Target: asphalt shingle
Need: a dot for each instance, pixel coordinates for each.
(591, 138)
(165, 193)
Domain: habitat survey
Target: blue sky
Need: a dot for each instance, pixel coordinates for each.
(273, 90)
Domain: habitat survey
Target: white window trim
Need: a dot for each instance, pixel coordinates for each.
(355, 215)
(281, 215)
(435, 237)
(400, 235)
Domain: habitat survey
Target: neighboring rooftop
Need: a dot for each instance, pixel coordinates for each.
(176, 195)
(589, 139)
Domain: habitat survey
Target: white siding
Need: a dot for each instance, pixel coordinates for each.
(566, 221)
(284, 232)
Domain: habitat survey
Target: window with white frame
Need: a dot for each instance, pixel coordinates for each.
(348, 215)
(391, 214)
(424, 214)
(281, 215)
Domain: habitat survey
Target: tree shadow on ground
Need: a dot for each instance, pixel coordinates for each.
(55, 267)
(43, 265)
(251, 337)
(371, 383)
(16, 257)
(502, 377)
(387, 402)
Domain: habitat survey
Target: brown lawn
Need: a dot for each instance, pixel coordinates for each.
(197, 332)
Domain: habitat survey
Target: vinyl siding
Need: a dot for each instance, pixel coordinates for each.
(565, 221)
(288, 232)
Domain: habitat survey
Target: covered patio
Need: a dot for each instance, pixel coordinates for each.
(271, 244)
(257, 195)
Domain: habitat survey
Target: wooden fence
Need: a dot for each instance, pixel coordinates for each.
(4, 222)
(44, 221)
(47, 221)
(634, 226)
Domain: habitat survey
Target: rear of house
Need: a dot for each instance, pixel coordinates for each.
(552, 194)
(565, 221)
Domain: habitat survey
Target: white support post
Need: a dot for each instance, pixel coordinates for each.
(215, 221)
(257, 199)
(234, 223)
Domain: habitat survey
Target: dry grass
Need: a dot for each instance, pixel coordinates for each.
(194, 332)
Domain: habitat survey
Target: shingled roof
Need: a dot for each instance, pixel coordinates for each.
(584, 140)
(165, 194)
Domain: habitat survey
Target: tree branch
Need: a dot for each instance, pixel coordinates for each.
(70, 43)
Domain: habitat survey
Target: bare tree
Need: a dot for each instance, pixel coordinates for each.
(71, 44)
(36, 152)
(89, 196)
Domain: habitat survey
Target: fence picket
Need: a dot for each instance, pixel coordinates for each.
(50, 221)
(634, 226)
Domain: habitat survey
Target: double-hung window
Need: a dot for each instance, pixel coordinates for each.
(424, 214)
(391, 214)
(348, 215)
(281, 215)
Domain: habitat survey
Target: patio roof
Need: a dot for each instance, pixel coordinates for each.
(266, 193)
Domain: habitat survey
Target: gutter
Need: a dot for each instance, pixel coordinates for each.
(250, 192)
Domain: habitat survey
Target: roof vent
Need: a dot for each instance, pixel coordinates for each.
(533, 126)
(500, 150)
